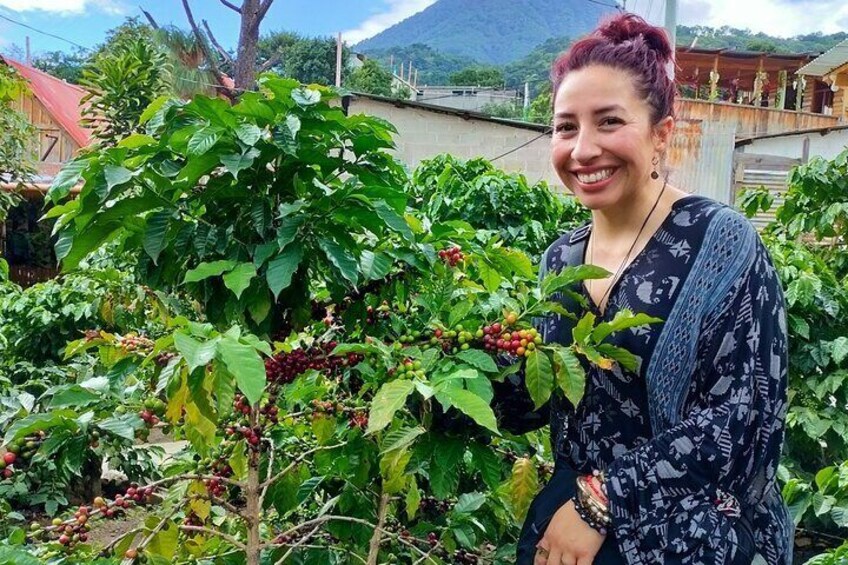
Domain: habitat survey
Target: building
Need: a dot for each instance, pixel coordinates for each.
(53, 107)
(826, 78)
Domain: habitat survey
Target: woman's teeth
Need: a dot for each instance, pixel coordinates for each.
(597, 176)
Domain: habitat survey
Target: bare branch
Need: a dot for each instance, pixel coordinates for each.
(271, 62)
(376, 538)
(150, 19)
(297, 460)
(221, 51)
(211, 532)
(263, 10)
(231, 6)
(297, 544)
(219, 76)
(407, 541)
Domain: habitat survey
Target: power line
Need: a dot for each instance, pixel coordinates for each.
(523, 145)
(48, 34)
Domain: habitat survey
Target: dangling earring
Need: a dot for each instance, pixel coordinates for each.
(654, 174)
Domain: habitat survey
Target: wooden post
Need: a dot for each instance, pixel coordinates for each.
(714, 78)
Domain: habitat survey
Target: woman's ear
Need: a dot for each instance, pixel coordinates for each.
(662, 133)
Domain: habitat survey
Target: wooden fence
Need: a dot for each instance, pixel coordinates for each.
(26, 276)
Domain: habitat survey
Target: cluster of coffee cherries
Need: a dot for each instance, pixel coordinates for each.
(219, 467)
(283, 368)
(408, 368)
(452, 255)
(91, 335)
(153, 409)
(192, 519)
(465, 557)
(432, 507)
(19, 452)
(70, 532)
(150, 420)
(287, 539)
(132, 342)
(496, 337)
(253, 436)
(326, 407)
(381, 312)
(164, 358)
(358, 419)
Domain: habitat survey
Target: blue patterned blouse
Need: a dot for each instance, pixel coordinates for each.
(692, 439)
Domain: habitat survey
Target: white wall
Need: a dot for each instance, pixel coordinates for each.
(423, 134)
(828, 145)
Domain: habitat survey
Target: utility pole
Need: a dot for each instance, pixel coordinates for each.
(28, 53)
(671, 23)
(339, 61)
(526, 99)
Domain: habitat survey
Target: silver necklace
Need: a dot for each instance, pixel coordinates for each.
(623, 263)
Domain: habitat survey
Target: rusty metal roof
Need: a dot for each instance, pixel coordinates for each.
(62, 100)
(831, 59)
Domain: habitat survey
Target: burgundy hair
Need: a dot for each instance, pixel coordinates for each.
(629, 43)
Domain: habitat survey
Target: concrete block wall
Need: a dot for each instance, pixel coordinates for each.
(423, 134)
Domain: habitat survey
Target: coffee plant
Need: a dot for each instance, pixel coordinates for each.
(807, 245)
(528, 217)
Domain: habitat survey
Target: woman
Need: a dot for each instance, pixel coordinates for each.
(675, 462)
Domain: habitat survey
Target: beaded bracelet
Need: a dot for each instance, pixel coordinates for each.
(588, 517)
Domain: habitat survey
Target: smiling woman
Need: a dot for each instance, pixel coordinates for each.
(675, 460)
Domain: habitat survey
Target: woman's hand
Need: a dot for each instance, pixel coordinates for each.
(568, 540)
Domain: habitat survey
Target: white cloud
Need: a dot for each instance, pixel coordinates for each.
(782, 17)
(398, 10)
(64, 6)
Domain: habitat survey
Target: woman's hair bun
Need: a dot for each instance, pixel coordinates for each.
(629, 27)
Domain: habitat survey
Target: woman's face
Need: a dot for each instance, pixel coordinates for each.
(603, 142)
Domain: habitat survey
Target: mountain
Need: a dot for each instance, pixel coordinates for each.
(496, 32)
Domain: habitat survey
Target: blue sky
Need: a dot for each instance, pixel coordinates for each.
(86, 21)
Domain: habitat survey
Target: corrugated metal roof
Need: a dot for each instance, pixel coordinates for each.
(833, 58)
(62, 100)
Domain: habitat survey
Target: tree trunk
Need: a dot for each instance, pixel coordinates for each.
(248, 38)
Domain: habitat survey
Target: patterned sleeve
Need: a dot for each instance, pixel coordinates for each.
(675, 498)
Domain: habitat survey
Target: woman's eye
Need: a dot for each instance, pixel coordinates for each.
(611, 121)
(564, 128)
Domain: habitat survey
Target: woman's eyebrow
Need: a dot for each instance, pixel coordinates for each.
(603, 110)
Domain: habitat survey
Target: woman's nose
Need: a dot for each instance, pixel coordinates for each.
(586, 147)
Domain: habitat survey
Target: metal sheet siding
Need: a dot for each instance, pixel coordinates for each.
(700, 158)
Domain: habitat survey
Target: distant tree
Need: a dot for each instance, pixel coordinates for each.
(307, 59)
(509, 110)
(188, 73)
(130, 30)
(371, 78)
(535, 68)
(16, 140)
(434, 67)
(541, 108)
(121, 83)
(478, 76)
(14, 51)
(63, 65)
(759, 44)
